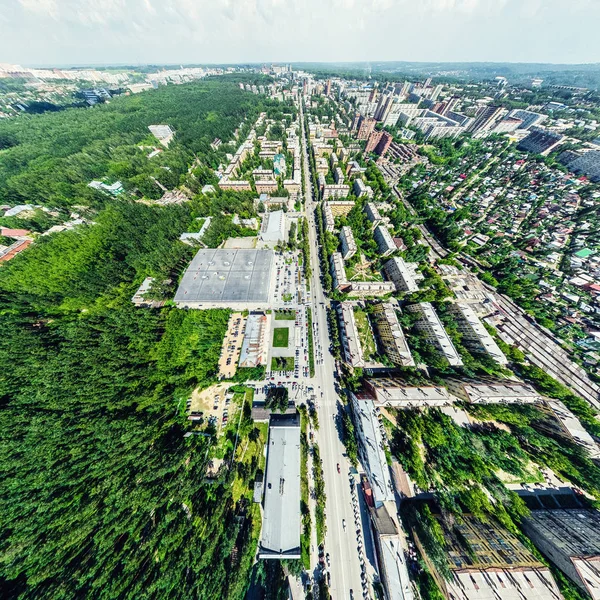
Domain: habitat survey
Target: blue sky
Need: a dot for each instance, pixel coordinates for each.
(203, 31)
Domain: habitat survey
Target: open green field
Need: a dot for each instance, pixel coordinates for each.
(281, 337)
(284, 315)
(282, 363)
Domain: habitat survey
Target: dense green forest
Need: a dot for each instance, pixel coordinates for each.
(102, 495)
(49, 159)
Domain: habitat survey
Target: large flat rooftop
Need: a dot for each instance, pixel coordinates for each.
(280, 536)
(228, 277)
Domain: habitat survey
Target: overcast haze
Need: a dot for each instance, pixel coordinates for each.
(44, 32)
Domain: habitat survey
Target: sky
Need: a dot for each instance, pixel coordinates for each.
(64, 32)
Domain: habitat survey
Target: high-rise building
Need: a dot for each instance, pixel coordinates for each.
(328, 87)
(450, 105)
(379, 142)
(486, 118)
(366, 125)
(437, 90)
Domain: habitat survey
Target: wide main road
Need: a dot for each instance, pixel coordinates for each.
(340, 542)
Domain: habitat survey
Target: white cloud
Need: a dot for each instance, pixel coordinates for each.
(52, 31)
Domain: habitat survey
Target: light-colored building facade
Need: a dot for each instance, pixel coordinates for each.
(492, 391)
(348, 242)
(351, 346)
(390, 334)
(430, 325)
(402, 274)
(385, 243)
(475, 336)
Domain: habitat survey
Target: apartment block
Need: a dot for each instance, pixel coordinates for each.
(351, 346)
(340, 208)
(373, 214)
(338, 176)
(487, 561)
(430, 324)
(348, 242)
(338, 273)
(570, 540)
(540, 141)
(475, 336)
(366, 125)
(385, 243)
(403, 275)
(328, 220)
(492, 391)
(396, 393)
(390, 335)
(371, 448)
(336, 191)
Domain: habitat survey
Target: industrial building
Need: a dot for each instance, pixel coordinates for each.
(223, 278)
(280, 535)
(570, 539)
(390, 335)
(430, 324)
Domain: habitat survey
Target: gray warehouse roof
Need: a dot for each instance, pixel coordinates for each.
(280, 536)
(227, 276)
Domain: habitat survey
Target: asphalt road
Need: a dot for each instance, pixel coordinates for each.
(340, 543)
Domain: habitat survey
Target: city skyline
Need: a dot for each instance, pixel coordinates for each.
(61, 32)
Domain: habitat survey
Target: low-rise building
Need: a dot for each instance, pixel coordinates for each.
(402, 274)
(353, 352)
(430, 325)
(475, 336)
(273, 227)
(390, 334)
(492, 391)
(348, 242)
(280, 535)
(570, 539)
(385, 242)
(254, 348)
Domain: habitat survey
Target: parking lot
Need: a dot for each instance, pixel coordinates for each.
(297, 349)
(286, 280)
(232, 344)
(211, 406)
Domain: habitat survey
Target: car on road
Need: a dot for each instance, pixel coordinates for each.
(344, 524)
(338, 465)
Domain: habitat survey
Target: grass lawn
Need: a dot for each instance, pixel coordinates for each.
(284, 315)
(281, 337)
(364, 333)
(282, 363)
